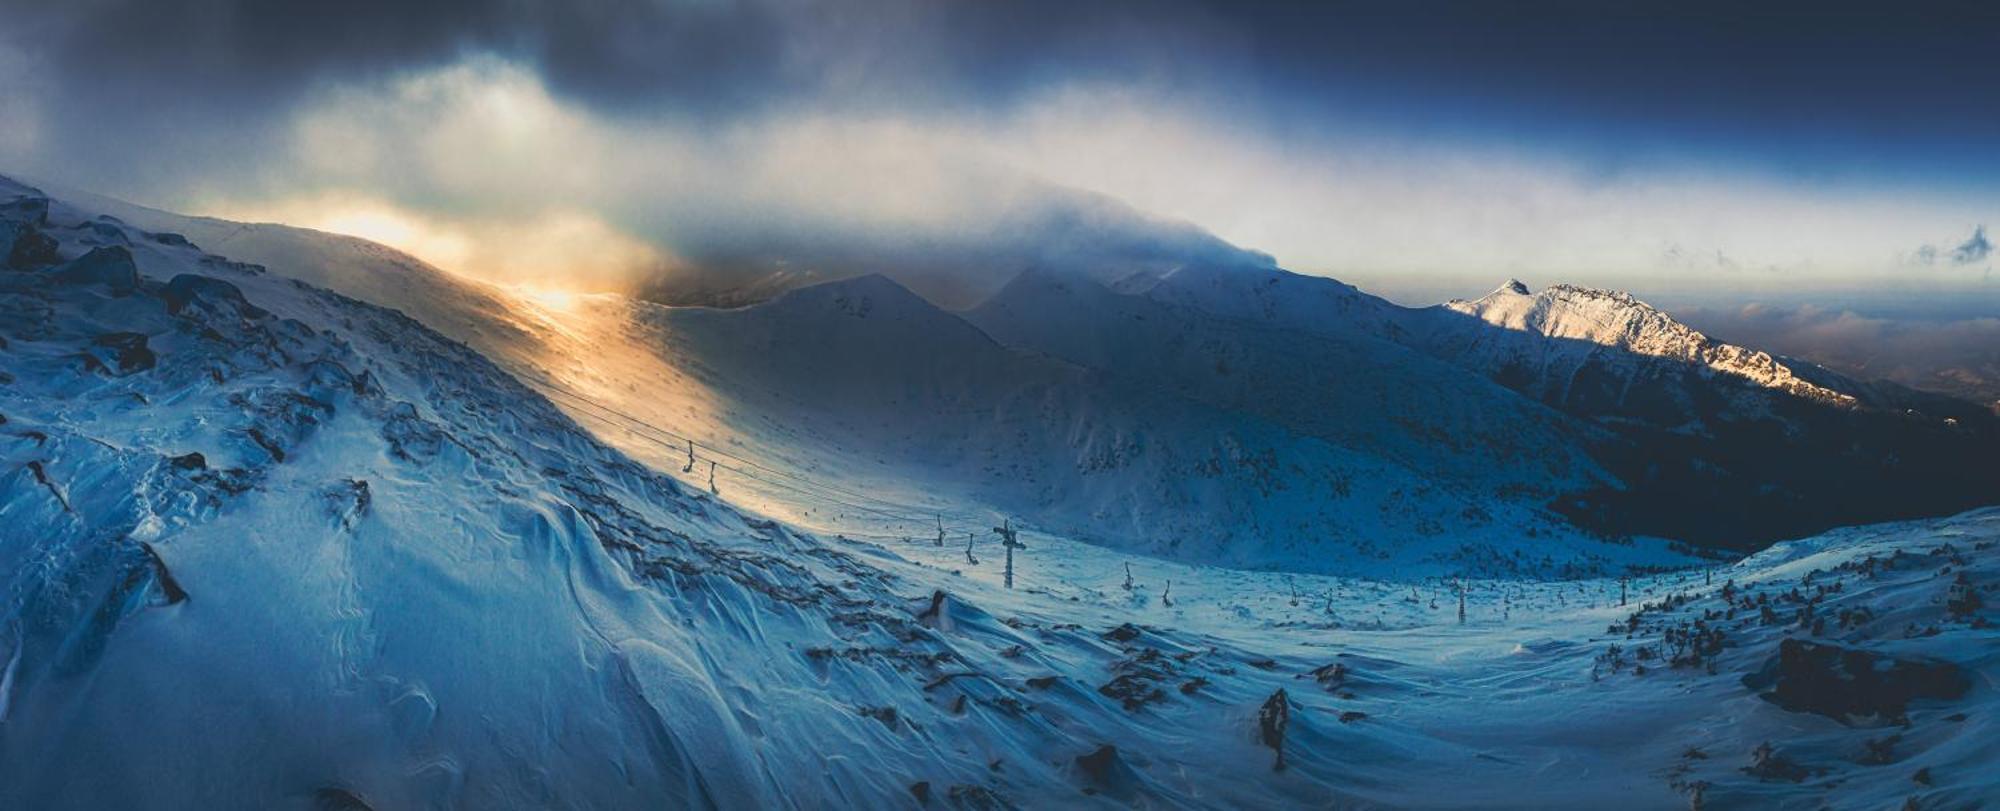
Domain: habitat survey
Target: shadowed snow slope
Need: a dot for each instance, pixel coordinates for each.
(864, 365)
(1703, 442)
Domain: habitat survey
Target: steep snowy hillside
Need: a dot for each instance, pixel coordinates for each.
(268, 546)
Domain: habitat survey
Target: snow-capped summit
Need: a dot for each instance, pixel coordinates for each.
(1616, 319)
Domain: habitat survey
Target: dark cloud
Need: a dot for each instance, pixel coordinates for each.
(1702, 69)
(1973, 250)
(168, 101)
(141, 96)
(690, 55)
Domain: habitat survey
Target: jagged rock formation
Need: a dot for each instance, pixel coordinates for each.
(1588, 326)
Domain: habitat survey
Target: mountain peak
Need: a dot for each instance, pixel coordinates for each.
(1617, 319)
(858, 295)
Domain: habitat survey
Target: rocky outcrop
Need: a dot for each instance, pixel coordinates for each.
(110, 266)
(1850, 685)
(1583, 317)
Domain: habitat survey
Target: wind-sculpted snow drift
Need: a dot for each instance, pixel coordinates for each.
(264, 545)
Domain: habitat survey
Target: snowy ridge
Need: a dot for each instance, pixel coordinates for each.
(1616, 319)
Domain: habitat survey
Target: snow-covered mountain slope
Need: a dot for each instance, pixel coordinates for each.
(863, 386)
(1670, 449)
(1709, 443)
(1584, 322)
(1354, 391)
(267, 546)
(864, 368)
(270, 547)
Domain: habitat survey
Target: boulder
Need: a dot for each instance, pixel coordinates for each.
(1851, 685)
(111, 266)
(32, 209)
(107, 231)
(122, 353)
(1106, 772)
(209, 295)
(25, 247)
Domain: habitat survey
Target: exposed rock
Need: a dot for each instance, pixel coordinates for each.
(1962, 599)
(1133, 690)
(30, 248)
(31, 209)
(169, 587)
(209, 295)
(974, 797)
(107, 230)
(1847, 684)
(1768, 764)
(937, 615)
(338, 799)
(886, 715)
(1332, 676)
(121, 353)
(1123, 633)
(1272, 718)
(111, 266)
(347, 501)
(41, 474)
(1107, 772)
(411, 438)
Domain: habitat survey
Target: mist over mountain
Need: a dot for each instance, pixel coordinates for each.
(1042, 229)
(1956, 356)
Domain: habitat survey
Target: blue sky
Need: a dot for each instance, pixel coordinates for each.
(1420, 149)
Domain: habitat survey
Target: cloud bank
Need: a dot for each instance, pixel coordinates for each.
(687, 148)
(1959, 356)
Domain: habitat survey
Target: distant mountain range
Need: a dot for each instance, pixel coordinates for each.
(1232, 412)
